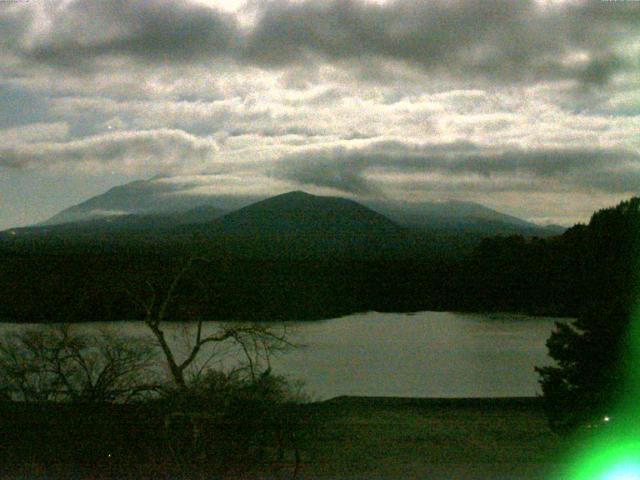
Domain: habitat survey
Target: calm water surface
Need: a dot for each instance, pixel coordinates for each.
(426, 354)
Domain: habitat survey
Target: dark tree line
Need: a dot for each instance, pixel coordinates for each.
(597, 364)
(60, 279)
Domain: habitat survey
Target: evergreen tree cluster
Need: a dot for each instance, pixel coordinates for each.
(594, 354)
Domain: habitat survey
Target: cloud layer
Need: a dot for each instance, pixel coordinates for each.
(464, 166)
(531, 106)
(166, 148)
(501, 39)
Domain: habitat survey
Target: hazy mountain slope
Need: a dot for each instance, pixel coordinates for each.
(145, 197)
(158, 196)
(154, 223)
(460, 217)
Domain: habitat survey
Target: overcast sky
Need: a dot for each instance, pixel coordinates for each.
(529, 107)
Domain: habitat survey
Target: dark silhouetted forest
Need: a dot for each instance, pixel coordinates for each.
(596, 370)
(280, 274)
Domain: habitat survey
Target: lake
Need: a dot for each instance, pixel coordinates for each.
(426, 354)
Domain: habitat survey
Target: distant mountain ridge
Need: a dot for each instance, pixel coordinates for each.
(114, 223)
(135, 198)
(459, 217)
(158, 198)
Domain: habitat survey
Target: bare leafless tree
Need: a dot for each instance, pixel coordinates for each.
(254, 342)
(245, 349)
(58, 363)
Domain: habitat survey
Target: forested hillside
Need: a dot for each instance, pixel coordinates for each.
(285, 275)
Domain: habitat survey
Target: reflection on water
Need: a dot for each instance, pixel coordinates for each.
(426, 354)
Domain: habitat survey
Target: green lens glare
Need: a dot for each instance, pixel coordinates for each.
(609, 462)
(610, 449)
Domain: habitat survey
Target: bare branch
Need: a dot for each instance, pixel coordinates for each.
(53, 363)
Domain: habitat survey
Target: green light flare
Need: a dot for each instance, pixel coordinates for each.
(613, 451)
(611, 459)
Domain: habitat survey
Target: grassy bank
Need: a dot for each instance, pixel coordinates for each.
(346, 437)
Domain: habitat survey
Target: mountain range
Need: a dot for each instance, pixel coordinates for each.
(150, 205)
(298, 256)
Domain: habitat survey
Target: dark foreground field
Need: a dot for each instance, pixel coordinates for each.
(377, 438)
(345, 438)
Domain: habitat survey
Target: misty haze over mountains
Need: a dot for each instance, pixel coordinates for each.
(147, 204)
(298, 256)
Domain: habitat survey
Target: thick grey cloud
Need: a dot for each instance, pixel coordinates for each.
(500, 39)
(158, 150)
(341, 170)
(155, 31)
(464, 166)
